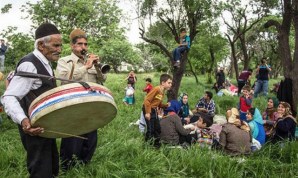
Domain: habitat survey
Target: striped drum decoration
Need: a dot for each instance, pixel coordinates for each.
(71, 110)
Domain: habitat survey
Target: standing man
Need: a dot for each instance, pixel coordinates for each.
(80, 68)
(42, 153)
(244, 79)
(3, 49)
(220, 78)
(262, 78)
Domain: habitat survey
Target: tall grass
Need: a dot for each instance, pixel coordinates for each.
(121, 151)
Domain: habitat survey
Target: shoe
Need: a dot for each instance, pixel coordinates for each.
(177, 64)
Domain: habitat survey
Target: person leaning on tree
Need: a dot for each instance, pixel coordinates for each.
(78, 67)
(42, 153)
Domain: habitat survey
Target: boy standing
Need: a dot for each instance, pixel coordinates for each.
(245, 102)
(152, 101)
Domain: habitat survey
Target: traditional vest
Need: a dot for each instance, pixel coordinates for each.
(45, 86)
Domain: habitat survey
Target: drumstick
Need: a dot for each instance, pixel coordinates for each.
(66, 134)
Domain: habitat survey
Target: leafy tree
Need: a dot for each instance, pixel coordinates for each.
(242, 22)
(99, 18)
(115, 51)
(208, 49)
(288, 54)
(175, 15)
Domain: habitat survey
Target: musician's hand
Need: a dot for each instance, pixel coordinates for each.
(148, 116)
(91, 60)
(26, 126)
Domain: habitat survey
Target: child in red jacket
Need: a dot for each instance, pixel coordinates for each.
(245, 102)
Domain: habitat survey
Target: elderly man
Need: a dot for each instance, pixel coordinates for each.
(79, 67)
(42, 153)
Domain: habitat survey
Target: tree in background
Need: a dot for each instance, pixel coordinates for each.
(243, 18)
(115, 51)
(175, 15)
(208, 49)
(288, 54)
(98, 18)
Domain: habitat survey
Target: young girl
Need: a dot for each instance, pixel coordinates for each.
(255, 123)
(129, 92)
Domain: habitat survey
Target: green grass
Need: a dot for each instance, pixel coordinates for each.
(121, 151)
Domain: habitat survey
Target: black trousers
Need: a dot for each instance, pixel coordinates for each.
(42, 155)
(240, 86)
(75, 150)
(153, 128)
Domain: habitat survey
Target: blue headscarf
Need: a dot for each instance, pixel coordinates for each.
(256, 124)
(175, 107)
(184, 107)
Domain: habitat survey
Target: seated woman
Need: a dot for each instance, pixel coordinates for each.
(255, 123)
(172, 131)
(285, 125)
(234, 137)
(270, 115)
(185, 114)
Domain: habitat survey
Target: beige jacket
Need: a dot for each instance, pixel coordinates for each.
(80, 72)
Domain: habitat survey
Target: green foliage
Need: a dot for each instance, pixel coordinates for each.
(114, 51)
(6, 8)
(20, 44)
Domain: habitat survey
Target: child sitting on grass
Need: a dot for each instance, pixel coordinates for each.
(203, 135)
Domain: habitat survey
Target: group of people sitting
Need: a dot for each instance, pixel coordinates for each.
(180, 126)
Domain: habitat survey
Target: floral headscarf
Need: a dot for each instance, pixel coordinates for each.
(288, 112)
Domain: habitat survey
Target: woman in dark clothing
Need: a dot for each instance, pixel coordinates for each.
(285, 125)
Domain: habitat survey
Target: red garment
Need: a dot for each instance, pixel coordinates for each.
(244, 105)
(148, 88)
(244, 75)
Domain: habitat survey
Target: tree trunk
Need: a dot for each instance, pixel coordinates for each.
(212, 58)
(244, 51)
(193, 72)
(177, 77)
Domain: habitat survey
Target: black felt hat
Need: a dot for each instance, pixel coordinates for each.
(46, 29)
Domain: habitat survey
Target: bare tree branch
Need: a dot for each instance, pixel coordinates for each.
(155, 42)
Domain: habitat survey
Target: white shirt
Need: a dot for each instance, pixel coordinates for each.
(20, 87)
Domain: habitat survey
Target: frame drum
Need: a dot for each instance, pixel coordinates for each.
(72, 109)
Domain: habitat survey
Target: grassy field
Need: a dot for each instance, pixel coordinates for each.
(121, 151)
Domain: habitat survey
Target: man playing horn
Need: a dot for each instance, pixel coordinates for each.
(79, 67)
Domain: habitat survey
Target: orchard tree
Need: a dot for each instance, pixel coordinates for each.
(244, 16)
(115, 51)
(288, 54)
(208, 49)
